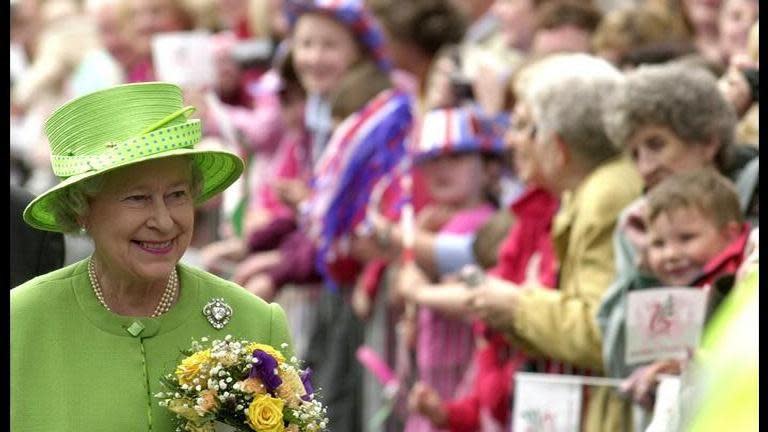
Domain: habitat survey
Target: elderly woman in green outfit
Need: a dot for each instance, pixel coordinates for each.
(90, 342)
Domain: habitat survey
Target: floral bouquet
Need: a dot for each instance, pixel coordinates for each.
(241, 386)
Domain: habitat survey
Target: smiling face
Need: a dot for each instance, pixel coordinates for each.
(703, 14)
(659, 152)
(736, 18)
(681, 242)
(141, 222)
(323, 50)
(456, 179)
(516, 21)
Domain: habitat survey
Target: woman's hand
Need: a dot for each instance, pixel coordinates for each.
(641, 385)
(292, 191)
(490, 89)
(261, 285)
(255, 264)
(424, 400)
(257, 219)
(439, 92)
(216, 254)
(495, 302)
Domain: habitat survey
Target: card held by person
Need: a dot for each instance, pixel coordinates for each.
(663, 323)
(185, 59)
(546, 403)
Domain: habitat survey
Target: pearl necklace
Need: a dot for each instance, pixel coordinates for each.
(165, 300)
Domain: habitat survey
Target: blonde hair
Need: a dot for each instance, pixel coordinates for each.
(636, 26)
(753, 42)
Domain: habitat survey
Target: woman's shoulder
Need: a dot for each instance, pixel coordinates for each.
(611, 187)
(47, 286)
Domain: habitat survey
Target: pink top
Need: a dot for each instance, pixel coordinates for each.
(289, 161)
(444, 345)
(445, 342)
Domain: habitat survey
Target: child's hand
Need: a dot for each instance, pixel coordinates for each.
(410, 279)
(292, 191)
(361, 303)
(641, 385)
(424, 400)
(432, 217)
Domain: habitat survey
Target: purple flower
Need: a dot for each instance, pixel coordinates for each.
(265, 369)
(306, 379)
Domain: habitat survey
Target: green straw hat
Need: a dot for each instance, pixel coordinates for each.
(121, 126)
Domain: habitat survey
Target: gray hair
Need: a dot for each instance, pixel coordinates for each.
(681, 98)
(72, 203)
(565, 98)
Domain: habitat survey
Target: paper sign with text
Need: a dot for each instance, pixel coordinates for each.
(663, 323)
(184, 58)
(545, 404)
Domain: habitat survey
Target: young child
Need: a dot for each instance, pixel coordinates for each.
(526, 252)
(697, 237)
(453, 149)
(696, 229)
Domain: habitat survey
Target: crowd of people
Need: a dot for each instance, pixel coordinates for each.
(468, 188)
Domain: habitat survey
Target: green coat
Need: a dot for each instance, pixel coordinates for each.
(75, 366)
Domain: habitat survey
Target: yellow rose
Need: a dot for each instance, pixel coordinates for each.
(253, 386)
(194, 366)
(265, 414)
(185, 408)
(267, 349)
(292, 389)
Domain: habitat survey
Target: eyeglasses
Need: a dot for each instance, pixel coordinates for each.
(523, 126)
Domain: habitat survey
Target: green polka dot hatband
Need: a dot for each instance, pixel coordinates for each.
(120, 126)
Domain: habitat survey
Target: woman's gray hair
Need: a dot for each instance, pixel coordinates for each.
(72, 203)
(683, 98)
(565, 98)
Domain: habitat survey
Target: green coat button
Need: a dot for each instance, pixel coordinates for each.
(136, 328)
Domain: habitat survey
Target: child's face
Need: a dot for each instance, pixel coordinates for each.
(681, 242)
(323, 51)
(455, 179)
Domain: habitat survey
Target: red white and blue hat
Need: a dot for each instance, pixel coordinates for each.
(455, 130)
(352, 14)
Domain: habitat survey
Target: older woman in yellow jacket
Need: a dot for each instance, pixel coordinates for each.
(594, 182)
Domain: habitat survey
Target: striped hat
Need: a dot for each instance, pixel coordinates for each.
(455, 130)
(352, 14)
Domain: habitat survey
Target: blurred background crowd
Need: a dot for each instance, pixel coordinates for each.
(542, 145)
